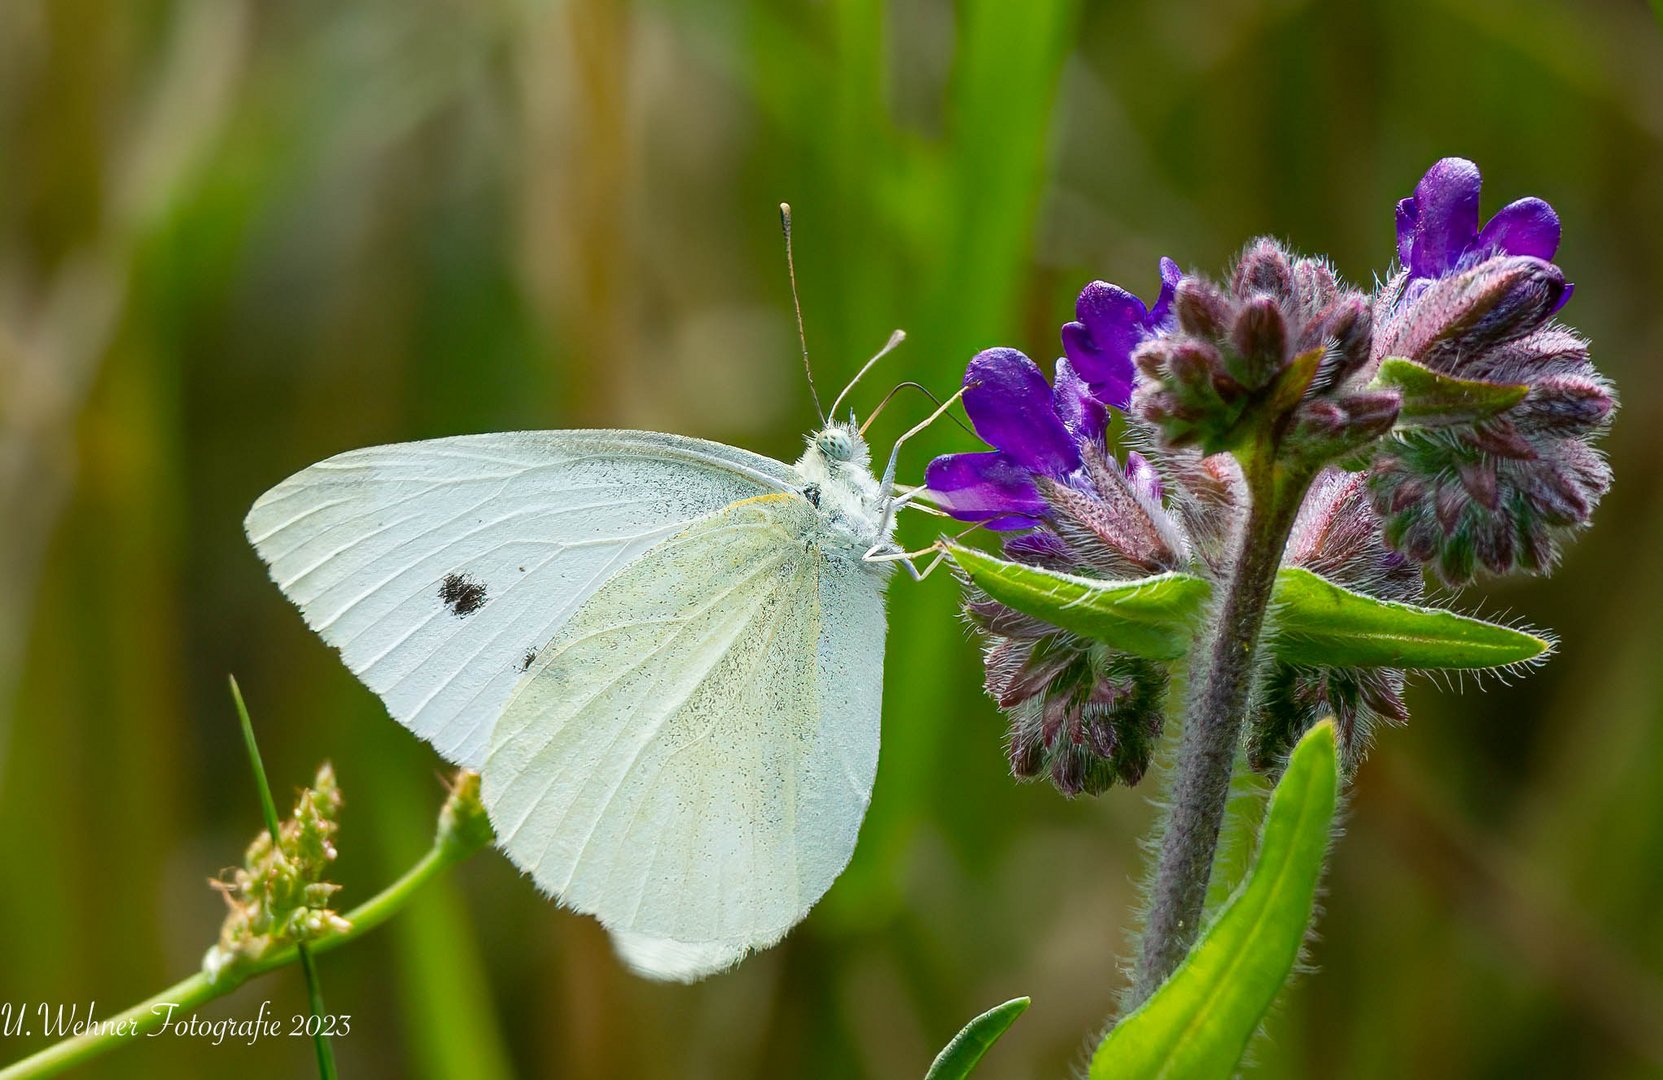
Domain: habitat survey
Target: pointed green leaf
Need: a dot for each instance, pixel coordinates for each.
(1431, 399)
(1292, 381)
(960, 1056)
(1151, 617)
(1198, 1024)
(1320, 623)
(1317, 622)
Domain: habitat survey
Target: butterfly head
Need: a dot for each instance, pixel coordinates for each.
(838, 444)
(838, 466)
(835, 444)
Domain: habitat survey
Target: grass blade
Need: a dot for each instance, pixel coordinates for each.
(308, 965)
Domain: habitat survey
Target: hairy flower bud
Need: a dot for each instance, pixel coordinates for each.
(1499, 490)
(1111, 528)
(1277, 355)
(1081, 715)
(1466, 314)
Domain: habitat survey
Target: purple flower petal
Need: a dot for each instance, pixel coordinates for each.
(1525, 227)
(1446, 216)
(983, 486)
(1161, 313)
(1085, 417)
(1405, 228)
(1143, 477)
(1110, 323)
(1564, 297)
(1011, 405)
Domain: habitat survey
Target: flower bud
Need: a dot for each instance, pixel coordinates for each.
(1276, 355)
(1203, 311)
(279, 895)
(1081, 716)
(1264, 269)
(1260, 336)
(1500, 487)
(1464, 315)
(463, 823)
(1294, 698)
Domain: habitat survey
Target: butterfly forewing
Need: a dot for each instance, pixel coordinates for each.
(440, 569)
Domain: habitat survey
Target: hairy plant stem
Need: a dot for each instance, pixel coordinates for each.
(177, 1002)
(1223, 668)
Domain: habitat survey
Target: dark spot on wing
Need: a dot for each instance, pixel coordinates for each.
(462, 594)
(526, 660)
(812, 494)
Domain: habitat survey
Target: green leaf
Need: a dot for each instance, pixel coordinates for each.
(1431, 399)
(1198, 1024)
(1152, 617)
(1320, 623)
(1317, 622)
(959, 1057)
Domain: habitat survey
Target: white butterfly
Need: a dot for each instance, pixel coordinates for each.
(664, 656)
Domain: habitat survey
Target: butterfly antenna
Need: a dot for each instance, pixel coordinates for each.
(797, 306)
(894, 339)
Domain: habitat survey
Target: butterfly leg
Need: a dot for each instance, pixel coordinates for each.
(909, 499)
(887, 485)
(877, 555)
(895, 451)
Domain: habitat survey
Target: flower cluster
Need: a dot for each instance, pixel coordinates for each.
(1446, 420)
(1082, 715)
(1276, 356)
(1502, 482)
(279, 895)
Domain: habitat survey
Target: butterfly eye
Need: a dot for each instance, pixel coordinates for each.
(835, 444)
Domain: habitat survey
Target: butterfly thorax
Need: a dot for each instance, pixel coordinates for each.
(836, 471)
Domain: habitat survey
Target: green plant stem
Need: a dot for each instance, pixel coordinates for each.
(268, 806)
(182, 998)
(1213, 717)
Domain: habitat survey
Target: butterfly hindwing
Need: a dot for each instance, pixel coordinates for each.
(690, 758)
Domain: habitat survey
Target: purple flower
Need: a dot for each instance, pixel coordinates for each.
(1502, 489)
(1110, 323)
(1438, 231)
(1036, 431)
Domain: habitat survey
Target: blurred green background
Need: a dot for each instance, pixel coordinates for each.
(238, 237)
